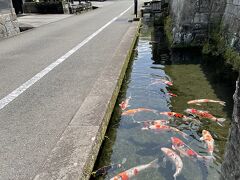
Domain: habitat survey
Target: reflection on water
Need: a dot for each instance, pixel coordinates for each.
(192, 79)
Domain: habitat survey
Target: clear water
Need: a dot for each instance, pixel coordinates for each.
(192, 79)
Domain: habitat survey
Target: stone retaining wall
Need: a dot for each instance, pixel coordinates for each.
(231, 22)
(8, 24)
(8, 19)
(193, 19)
(46, 7)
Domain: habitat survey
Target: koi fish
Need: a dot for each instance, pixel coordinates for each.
(185, 150)
(176, 159)
(103, 171)
(126, 175)
(161, 127)
(171, 94)
(179, 115)
(198, 101)
(124, 104)
(176, 115)
(173, 114)
(134, 111)
(164, 81)
(153, 122)
(207, 137)
(205, 114)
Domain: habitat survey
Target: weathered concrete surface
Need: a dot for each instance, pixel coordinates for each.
(40, 130)
(8, 20)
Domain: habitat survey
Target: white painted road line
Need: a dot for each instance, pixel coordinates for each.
(14, 94)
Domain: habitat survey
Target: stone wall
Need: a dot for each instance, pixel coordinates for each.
(58, 7)
(231, 164)
(8, 24)
(193, 18)
(231, 23)
(8, 19)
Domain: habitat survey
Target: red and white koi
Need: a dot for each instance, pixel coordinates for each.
(161, 127)
(171, 94)
(173, 114)
(126, 175)
(207, 137)
(175, 158)
(185, 150)
(164, 81)
(199, 101)
(180, 116)
(134, 111)
(176, 115)
(205, 114)
(125, 104)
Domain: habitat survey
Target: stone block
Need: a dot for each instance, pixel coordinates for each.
(8, 25)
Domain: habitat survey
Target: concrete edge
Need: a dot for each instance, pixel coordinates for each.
(75, 153)
(88, 167)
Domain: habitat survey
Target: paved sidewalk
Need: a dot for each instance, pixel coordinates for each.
(36, 20)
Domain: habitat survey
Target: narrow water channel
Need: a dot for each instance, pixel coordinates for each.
(127, 141)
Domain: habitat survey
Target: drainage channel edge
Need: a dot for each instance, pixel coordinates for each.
(75, 153)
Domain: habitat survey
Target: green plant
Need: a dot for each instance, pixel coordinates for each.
(232, 57)
(218, 46)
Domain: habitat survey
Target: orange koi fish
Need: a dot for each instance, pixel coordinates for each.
(205, 114)
(124, 104)
(185, 150)
(171, 94)
(126, 175)
(162, 127)
(134, 111)
(175, 159)
(207, 137)
(198, 101)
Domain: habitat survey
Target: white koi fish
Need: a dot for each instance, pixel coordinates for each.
(199, 101)
(175, 159)
(125, 104)
(153, 122)
(162, 127)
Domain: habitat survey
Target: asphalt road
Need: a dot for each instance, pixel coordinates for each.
(33, 122)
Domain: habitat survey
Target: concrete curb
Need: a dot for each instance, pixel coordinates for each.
(76, 151)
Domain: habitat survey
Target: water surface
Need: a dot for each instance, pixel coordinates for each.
(192, 79)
